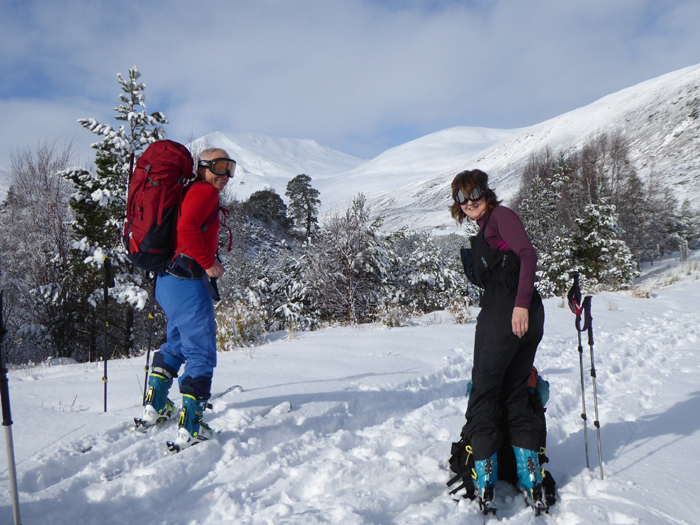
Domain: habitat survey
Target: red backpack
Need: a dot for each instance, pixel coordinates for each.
(156, 190)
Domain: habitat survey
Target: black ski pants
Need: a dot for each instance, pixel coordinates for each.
(502, 366)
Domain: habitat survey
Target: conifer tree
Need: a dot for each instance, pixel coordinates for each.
(303, 203)
(690, 225)
(633, 212)
(99, 203)
(538, 211)
(267, 206)
(280, 292)
(347, 264)
(428, 280)
(602, 255)
(556, 264)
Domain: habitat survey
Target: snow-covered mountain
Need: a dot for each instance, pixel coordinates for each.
(265, 162)
(410, 163)
(659, 118)
(409, 184)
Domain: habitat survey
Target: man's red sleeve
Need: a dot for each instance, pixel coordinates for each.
(200, 203)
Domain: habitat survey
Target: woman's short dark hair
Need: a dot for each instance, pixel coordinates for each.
(467, 181)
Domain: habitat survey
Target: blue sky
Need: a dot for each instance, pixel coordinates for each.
(357, 76)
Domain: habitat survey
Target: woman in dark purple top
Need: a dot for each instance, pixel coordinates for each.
(508, 330)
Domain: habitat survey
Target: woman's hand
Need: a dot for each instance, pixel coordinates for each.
(521, 321)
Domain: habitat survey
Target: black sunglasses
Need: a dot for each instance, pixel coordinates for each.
(477, 193)
(220, 166)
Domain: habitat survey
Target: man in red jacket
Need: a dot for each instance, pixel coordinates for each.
(185, 294)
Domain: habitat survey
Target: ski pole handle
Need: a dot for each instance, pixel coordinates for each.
(574, 296)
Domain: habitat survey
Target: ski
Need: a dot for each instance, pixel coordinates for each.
(155, 419)
(141, 426)
(173, 448)
(234, 388)
(486, 503)
(538, 506)
(488, 509)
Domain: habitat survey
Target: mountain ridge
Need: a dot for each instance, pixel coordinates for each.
(658, 117)
(409, 184)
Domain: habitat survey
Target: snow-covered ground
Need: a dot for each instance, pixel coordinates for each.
(353, 425)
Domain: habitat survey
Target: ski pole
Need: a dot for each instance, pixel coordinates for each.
(7, 421)
(574, 297)
(151, 297)
(588, 325)
(583, 395)
(108, 283)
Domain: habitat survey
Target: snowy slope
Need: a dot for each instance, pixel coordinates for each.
(264, 162)
(409, 184)
(413, 162)
(354, 425)
(660, 119)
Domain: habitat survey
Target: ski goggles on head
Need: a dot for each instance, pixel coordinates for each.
(462, 198)
(220, 166)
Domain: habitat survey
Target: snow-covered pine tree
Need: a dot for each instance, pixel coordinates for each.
(671, 222)
(427, 281)
(538, 211)
(99, 202)
(556, 265)
(657, 216)
(633, 211)
(282, 295)
(303, 203)
(348, 263)
(598, 249)
(690, 225)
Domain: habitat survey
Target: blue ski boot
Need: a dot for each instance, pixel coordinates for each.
(192, 429)
(159, 408)
(485, 477)
(530, 479)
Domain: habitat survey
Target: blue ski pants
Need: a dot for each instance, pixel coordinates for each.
(191, 333)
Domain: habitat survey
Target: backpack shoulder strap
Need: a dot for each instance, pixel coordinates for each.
(213, 217)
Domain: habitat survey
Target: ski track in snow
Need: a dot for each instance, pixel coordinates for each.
(375, 451)
(267, 449)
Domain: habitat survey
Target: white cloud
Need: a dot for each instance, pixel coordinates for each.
(350, 74)
(26, 123)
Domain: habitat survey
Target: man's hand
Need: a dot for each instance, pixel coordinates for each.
(521, 321)
(217, 270)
